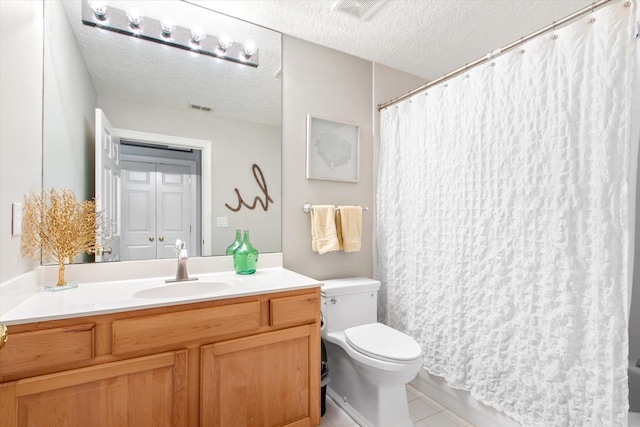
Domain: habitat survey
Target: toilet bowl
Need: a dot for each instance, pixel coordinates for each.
(369, 363)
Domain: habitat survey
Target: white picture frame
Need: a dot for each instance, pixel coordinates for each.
(333, 150)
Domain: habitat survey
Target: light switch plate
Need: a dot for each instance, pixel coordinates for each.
(16, 219)
(222, 221)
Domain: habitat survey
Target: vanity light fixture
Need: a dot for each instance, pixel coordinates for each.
(197, 35)
(249, 49)
(164, 31)
(167, 27)
(99, 9)
(135, 18)
(224, 42)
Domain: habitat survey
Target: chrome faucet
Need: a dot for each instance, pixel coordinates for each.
(181, 273)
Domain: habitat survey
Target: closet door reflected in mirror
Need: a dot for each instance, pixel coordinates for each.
(158, 207)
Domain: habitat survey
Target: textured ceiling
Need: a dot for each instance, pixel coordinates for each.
(427, 38)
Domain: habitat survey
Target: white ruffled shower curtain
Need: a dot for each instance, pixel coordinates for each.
(503, 225)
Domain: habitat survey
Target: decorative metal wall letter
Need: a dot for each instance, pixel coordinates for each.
(259, 177)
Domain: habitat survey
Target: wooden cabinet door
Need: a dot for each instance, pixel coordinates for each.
(146, 391)
(272, 379)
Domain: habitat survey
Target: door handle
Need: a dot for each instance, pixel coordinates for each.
(151, 238)
(99, 250)
(161, 238)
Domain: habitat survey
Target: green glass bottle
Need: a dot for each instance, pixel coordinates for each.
(232, 247)
(245, 257)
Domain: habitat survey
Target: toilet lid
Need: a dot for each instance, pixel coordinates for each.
(382, 342)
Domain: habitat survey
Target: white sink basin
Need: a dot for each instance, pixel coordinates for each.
(183, 289)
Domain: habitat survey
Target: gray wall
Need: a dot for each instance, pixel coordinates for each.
(20, 121)
(334, 86)
(236, 146)
(69, 103)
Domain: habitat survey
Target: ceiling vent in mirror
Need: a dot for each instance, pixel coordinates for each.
(361, 9)
(200, 107)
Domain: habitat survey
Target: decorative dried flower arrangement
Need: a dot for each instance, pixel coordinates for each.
(57, 227)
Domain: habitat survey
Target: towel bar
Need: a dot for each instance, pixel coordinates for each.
(306, 208)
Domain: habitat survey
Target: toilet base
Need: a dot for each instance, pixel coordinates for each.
(369, 404)
(357, 417)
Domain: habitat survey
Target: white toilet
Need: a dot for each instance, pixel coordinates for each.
(369, 363)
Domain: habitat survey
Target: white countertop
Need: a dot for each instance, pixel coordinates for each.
(116, 296)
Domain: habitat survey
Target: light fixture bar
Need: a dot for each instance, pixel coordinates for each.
(150, 29)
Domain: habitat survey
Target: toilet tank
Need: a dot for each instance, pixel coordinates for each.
(349, 302)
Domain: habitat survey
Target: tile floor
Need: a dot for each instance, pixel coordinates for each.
(424, 411)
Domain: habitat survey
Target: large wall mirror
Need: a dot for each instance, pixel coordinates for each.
(200, 136)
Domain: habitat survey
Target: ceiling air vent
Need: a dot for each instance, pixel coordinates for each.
(361, 9)
(200, 107)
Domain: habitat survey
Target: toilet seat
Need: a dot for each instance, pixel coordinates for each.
(381, 342)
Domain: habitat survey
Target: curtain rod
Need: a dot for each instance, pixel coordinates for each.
(496, 53)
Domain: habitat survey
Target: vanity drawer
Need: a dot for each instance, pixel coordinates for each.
(166, 330)
(26, 351)
(295, 310)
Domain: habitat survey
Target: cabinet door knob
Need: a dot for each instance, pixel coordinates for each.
(151, 238)
(4, 335)
(161, 238)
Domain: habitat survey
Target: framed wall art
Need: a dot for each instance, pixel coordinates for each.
(333, 149)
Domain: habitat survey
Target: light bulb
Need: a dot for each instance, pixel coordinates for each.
(197, 34)
(249, 49)
(224, 42)
(135, 17)
(167, 26)
(99, 9)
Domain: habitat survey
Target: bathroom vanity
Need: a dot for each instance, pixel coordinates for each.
(246, 355)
